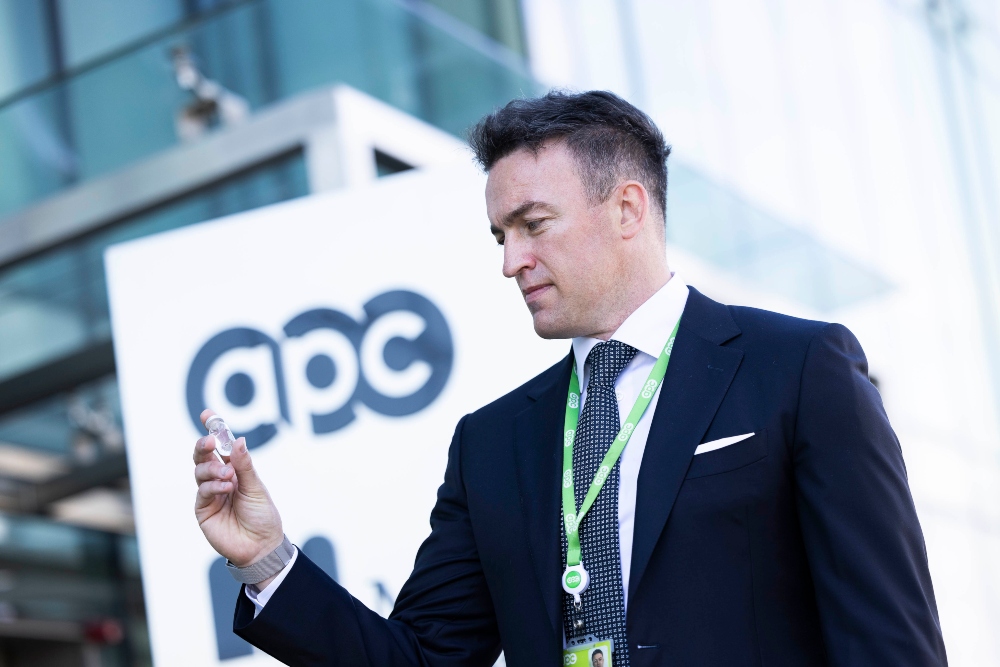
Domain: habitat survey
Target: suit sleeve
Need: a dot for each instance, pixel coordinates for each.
(443, 616)
(863, 540)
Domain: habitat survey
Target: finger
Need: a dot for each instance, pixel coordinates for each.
(204, 449)
(250, 483)
(205, 414)
(212, 470)
(209, 491)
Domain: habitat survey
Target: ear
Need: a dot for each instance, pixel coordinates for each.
(634, 202)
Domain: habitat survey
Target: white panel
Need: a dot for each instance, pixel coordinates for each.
(425, 232)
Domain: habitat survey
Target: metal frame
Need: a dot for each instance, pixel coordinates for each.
(338, 128)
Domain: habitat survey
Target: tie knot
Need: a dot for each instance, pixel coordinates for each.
(608, 360)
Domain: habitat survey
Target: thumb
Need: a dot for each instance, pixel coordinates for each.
(246, 474)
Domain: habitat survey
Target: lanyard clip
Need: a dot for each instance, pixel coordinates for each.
(575, 581)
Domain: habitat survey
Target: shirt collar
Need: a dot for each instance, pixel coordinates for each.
(647, 328)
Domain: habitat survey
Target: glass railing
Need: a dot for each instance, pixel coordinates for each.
(110, 115)
(56, 304)
(773, 255)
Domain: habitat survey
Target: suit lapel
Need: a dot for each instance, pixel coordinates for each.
(538, 432)
(697, 379)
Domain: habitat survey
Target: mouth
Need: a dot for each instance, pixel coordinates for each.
(535, 292)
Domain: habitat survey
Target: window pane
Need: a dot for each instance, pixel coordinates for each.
(56, 304)
(24, 47)
(498, 19)
(94, 27)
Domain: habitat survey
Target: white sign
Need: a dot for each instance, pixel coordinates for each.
(355, 327)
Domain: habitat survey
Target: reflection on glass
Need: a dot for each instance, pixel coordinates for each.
(24, 54)
(738, 237)
(61, 581)
(73, 428)
(111, 114)
(91, 28)
(56, 303)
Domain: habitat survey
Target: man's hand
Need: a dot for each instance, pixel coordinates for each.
(233, 508)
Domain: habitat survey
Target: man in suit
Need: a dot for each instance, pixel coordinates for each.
(743, 497)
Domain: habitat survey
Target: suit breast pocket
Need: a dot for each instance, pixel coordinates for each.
(733, 457)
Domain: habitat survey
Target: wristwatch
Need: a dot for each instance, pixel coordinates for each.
(266, 567)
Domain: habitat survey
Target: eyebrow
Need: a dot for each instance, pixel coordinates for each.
(519, 212)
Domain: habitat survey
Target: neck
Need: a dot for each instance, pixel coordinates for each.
(627, 303)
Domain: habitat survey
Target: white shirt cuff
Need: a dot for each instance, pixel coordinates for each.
(260, 597)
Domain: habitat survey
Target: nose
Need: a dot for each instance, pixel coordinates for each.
(517, 256)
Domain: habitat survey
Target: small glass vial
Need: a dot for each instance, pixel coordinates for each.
(224, 440)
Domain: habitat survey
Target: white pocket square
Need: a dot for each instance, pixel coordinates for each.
(721, 442)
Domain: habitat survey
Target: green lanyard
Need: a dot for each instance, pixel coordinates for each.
(575, 579)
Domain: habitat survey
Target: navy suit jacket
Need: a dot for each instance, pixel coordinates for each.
(798, 546)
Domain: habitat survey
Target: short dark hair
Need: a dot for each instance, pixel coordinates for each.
(611, 140)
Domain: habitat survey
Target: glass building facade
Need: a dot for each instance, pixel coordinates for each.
(88, 87)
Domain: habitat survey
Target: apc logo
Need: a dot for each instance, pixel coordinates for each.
(626, 431)
(649, 389)
(395, 360)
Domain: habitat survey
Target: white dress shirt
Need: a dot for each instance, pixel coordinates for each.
(260, 598)
(647, 330)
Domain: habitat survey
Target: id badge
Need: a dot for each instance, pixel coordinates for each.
(593, 654)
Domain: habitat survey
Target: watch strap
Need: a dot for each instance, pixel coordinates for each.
(266, 567)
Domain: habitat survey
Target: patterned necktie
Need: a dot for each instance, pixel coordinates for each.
(603, 611)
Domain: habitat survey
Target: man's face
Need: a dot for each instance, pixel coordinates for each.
(597, 659)
(564, 252)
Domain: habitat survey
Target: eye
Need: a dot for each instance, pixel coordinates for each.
(499, 238)
(533, 225)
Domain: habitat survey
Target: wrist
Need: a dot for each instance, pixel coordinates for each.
(264, 584)
(265, 568)
(268, 547)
